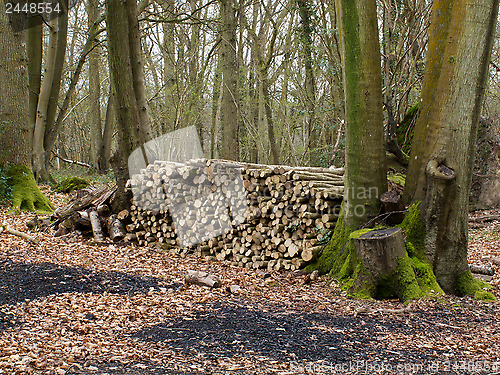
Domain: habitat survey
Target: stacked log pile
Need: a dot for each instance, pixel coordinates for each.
(256, 216)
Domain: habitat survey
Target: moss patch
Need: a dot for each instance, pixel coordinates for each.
(483, 295)
(401, 283)
(397, 178)
(26, 196)
(70, 184)
(413, 277)
(467, 285)
(414, 228)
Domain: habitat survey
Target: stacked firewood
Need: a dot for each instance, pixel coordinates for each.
(256, 216)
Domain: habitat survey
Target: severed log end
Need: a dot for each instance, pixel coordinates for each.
(202, 278)
(115, 228)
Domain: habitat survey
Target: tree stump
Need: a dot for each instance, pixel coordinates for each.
(391, 202)
(379, 250)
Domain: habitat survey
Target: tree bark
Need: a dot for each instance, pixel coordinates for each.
(230, 96)
(94, 118)
(125, 66)
(306, 13)
(440, 170)
(15, 130)
(365, 177)
(34, 47)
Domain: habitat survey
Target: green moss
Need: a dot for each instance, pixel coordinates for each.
(414, 228)
(401, 283)
(467, 285)
(483, 295)
(425, 277)
(397, 178)
(413, 277)
(26, 196)
(70, 184)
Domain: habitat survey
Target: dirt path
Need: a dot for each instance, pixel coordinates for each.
(68, 306)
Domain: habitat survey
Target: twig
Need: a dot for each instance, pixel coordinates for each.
(5, 228)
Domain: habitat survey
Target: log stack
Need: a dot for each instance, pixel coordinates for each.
(252, 215)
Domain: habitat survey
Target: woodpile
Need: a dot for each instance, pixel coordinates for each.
(88, 212)
(255, 216)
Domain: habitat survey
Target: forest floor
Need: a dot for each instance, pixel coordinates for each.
(69, 306)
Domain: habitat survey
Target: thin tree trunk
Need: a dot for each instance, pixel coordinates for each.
(94, 117)
(137, 65)
(34, 47)
(230, 96)
(107, 137)
(38, 155)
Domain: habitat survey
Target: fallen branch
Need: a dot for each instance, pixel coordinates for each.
(482, 270)
(75, 162)
(482, 219)
(5, 228)
(202, 278)
(493, 260)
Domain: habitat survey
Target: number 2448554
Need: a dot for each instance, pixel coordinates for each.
(32, 8)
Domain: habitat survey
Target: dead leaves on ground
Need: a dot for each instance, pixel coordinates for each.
(54, 334)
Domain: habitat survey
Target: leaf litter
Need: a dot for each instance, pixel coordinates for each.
(70, 306)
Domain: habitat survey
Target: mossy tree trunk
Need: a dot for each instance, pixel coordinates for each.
(365, 177)
(441, 160)
(306, 31)
(442, 155)
(15, 129)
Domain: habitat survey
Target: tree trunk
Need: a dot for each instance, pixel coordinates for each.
(94, 117)
(34, 47)
(444, 140)
(313, 132)
(230, 96)
(107, 137)
(365, 178)
(15, 130)
(38, 158)
(134, 39)
(132, 131)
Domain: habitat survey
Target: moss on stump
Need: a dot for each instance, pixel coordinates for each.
(70, 184)
(26, 196)
(411, 279)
